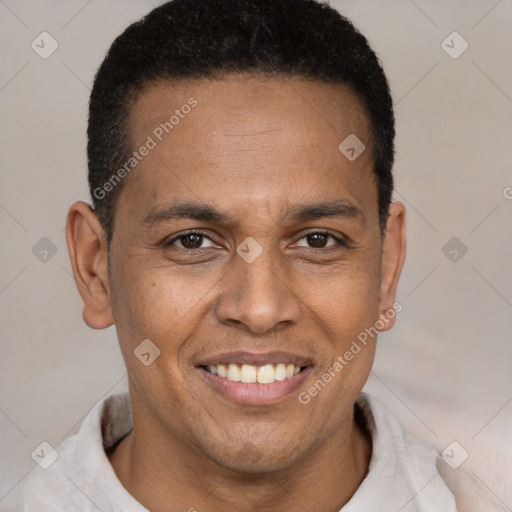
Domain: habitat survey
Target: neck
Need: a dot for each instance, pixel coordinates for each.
(179, 479)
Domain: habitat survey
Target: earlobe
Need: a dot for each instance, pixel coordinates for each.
(393, 256)
(88, 254)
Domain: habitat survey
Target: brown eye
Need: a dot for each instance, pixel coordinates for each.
(319, 239)
(191, 241)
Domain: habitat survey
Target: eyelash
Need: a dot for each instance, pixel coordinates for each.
(341, 242)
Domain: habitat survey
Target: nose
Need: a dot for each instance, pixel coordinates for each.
(258, 296)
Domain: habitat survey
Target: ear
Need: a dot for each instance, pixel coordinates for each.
(393, 256)
(87, 250)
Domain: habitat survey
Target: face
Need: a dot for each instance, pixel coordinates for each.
(245, 236)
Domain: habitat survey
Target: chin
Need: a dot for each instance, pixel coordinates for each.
(257, 463)
(249, 458)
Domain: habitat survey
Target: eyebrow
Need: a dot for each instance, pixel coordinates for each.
(199, 211)
(337, 208)
(186, 210)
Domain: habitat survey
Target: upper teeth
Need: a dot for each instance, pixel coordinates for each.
(247, 373)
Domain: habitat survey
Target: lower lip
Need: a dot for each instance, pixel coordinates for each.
(254, 393)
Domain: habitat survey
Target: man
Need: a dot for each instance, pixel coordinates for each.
(243, 241)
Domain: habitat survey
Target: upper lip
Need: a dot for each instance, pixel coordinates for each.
(256, 359)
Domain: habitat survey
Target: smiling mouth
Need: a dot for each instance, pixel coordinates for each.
(248, 373)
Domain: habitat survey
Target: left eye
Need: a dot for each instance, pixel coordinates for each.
(318, 240)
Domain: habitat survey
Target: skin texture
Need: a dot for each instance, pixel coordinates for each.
(254, 148)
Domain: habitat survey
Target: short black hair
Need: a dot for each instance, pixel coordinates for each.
(195, 39)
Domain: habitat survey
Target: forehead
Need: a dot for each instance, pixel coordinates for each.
(248, 140)
(245, 102)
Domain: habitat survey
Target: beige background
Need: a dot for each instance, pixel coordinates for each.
(444, 370)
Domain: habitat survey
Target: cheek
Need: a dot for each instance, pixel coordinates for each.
(152, 302)
(347, 300)
(155, 306)
(346, 310)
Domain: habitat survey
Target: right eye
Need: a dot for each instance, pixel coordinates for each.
(192, 240)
